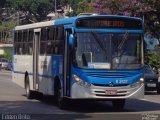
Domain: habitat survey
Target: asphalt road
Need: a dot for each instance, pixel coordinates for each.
(14, 103)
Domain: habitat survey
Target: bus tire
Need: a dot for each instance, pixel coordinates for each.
(118, 104)
(60, 100)
(38, 95)
(29, 93)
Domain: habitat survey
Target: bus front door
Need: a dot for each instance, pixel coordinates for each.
(35, 58)
(67, 64)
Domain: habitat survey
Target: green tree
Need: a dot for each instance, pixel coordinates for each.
(84, 6)
(81, 6)
(152, 17)
(149, 10)
(35, 10)
(2, 4)
(153, 58)
(6, 31)
(7, 56)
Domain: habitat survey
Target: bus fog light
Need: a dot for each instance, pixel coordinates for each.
(81, 82)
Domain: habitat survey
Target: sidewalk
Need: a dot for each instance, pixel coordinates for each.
(6, 72)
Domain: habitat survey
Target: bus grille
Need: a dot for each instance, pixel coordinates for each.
(106, 85)
(110, 74)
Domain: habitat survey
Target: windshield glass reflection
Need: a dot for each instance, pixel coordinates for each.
(107, 51)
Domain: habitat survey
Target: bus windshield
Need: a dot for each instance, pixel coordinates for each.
(94, 50)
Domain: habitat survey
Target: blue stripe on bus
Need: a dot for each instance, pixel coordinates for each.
(109, 30)
(65, 21)
(40, 75)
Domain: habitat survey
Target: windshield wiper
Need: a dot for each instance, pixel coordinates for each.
(98, 40)
(125, 36)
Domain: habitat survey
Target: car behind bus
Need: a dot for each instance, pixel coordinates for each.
(4, 63)
(151, 79)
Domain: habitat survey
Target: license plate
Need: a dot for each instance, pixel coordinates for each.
(111, 92)
(151, 85)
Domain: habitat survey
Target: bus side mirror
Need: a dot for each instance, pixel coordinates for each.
(71, 40)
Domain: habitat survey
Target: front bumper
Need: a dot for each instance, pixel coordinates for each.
(151, 85)
(99, 92)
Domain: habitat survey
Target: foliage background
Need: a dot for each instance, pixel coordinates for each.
(37, 10)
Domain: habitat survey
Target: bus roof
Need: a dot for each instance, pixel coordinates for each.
(70, 20)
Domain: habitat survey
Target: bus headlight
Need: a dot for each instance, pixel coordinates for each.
(141, 80)
(138, 83)
(81, 82)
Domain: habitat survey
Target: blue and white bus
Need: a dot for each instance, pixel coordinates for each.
(96, 57)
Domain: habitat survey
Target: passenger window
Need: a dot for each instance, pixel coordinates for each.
(19, 36)
(43, 34)
(15, 36)
(30, 38)
(20, 49)
(50, 48)
(50, 34)
(42, 48)
(25, 36)
(30, 48)
(60, 33)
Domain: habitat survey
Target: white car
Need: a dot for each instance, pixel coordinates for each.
(4, 63)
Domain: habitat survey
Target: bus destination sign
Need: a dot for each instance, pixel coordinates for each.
(109, 23)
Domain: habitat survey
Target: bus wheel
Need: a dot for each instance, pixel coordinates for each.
(29, 93)
(118, 104)
(61, 101)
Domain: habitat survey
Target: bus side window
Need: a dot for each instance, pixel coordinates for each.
(43, 34)
(23, 52)
(30, 42)
(56, 49)
(15, 41)
(60, 33)
(42, 48)
(59, 40)
(30, 38)
(19, 43)
(15, 49)
(49, 47)
(19, 36)
(15, 36)
(50, 33)
(25, 36)
(25, 43)
(56, 33)
(43, 41)
(50, 41)
(19, 49)
(30, 48)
